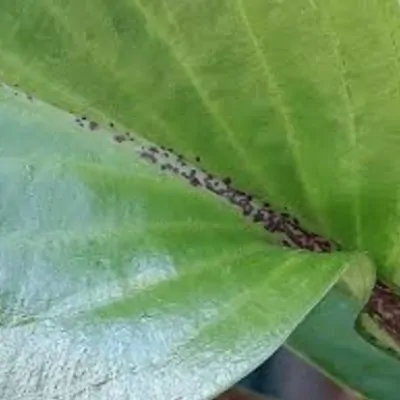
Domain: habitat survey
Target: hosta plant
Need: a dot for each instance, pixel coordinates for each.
(185, 185)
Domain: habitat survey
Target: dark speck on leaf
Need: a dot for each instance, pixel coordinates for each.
(111, 124)
(247, 209)
(119, 138)
(185, 175)
(149, 156)
(93, 125)
(167, 167)
(258, 217)
(194, 181)
(197, 159)
(227, 181)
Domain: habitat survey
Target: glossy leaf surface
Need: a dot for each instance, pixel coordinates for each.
(118, 281)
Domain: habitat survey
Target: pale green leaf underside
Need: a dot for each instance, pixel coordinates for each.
(297, 100)
(119, 282)
(327, 337)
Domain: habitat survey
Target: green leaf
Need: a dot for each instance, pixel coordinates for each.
(328, 338)
(298, 101)
(119, 281)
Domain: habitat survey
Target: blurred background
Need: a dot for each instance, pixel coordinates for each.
(286, 377)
